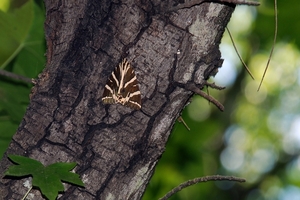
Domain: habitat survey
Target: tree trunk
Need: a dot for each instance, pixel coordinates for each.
(116, 147)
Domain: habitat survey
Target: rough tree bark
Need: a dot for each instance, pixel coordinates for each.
(171, 48)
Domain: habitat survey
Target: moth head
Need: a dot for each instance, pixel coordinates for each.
(123, 96)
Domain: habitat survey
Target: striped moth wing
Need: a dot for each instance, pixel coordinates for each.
(122, 87)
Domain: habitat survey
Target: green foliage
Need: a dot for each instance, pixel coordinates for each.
(47, 179)
(15, 25)
(22, 48)
(289, 26)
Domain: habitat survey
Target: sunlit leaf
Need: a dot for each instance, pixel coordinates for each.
(15, 25)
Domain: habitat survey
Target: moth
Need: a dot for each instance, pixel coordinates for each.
(122, 87)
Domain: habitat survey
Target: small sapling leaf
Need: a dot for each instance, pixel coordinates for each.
(46, 178)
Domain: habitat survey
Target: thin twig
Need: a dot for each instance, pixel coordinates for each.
(239, 2)
(201, 179)
(194, 88)
(180, 119)
(15, 76)
(191, 3)
(207, 91)
(214, 86)
(27, 193)
(274, 42)
(210, 99)
(237, 52)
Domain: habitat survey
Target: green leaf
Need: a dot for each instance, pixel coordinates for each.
(47, 179)
(7, 130)
(4, 5)
(27, 59)
(64, 173)
(13, 100)
(48, 182)
(15, 25)
(25, 167)
(31, 59)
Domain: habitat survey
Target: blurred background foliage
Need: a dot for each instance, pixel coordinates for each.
(257, 137)
(22, 49)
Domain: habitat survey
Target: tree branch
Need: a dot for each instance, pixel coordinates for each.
(199, 180)
(15, 76)
(194, 88)
(191, 3)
